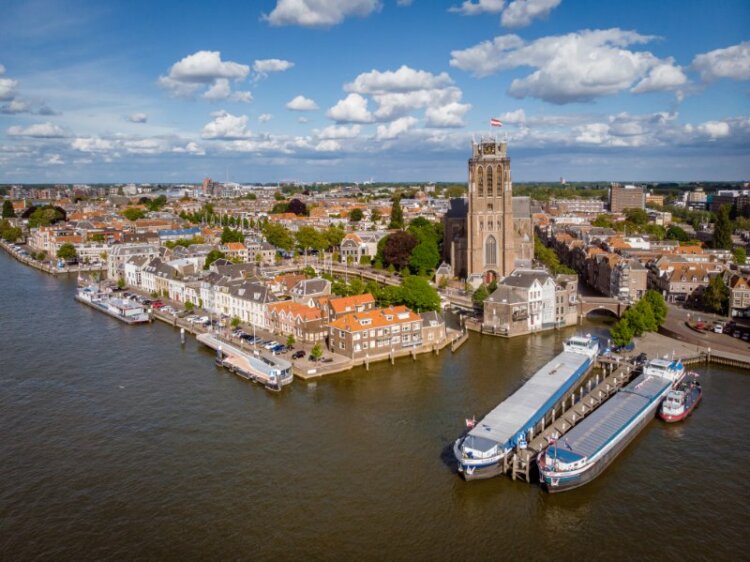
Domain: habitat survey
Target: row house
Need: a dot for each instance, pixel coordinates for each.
(155, 277)
(261, 253)
(739, 296)
(679, 281)
(334, 308)
(308, 291)
(289, 318)
(375, 332)
(358, 245)
(119, 254)
(235, 250)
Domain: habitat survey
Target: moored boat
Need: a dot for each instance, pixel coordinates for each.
(124, 310)
(586, 450)
(481, 451)
(680, 402)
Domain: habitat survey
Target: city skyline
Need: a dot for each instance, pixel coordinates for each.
(390, 90)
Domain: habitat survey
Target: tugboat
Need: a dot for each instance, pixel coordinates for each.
(680, 402)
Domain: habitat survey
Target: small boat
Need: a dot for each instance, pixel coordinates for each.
(680, 402)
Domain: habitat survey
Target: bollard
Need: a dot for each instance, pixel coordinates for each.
(182, 336)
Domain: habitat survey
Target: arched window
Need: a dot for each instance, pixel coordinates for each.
(489, 224)
(490, 251)
(489, 181)
(480, 182)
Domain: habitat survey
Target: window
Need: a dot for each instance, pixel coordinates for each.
(490, 251)
(405, 338)
(489, 181)
(342, 345)
(480, 182)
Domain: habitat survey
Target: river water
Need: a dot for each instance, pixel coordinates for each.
(119, 443)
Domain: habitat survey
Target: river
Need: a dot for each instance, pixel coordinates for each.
(119, 443)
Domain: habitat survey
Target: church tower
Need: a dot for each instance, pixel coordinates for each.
(490, 214)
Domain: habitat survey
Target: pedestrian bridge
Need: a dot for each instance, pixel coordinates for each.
(587, 305)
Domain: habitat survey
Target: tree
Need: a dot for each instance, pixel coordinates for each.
(675, 232)
(278, 235)
(97, 237)
(334, 235)
(308, 238)
(120, 283)
(297, 207)
(375, 216)
(278, 196)
(740, 256)
(621, 333)
(229, 235)
(455, 191)
(157, 203)
(397, 214)
(658, 306)
(716, 295)
(316, 352)
(604, 221)
(356, 215)
(290, 341)
(8, 212)
(189, 306)
(67, 252)
(309, 271)
(45, 216)
(424, 258)
(723, 229)
(636, 216)
(397, 248)
(236, 321)
(212, 256)
(419, 295)
(133, 213)
(480, 295)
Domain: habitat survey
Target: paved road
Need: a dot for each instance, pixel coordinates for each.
(676, 318)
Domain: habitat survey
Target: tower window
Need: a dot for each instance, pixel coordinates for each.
(490, 251)
(489, 181)
(480, 182)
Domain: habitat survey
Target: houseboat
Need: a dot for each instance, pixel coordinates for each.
(124, 310)
(481, 451)
(586, 450)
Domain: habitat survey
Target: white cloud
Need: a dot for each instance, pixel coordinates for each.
(37, 130)
(241, 96)
(264, 67)
(394, 105)
(319, 13)
(339, 132)
(265, 117)
(226, 126)
(469, 8)
(7, 89)
(54, 160)
(395, 129)
(203, 68)
(328, 146)
(91, 144)
(732, 62)
(301, 103)
(513, 117)
(449, 116)
(664, 76)
(520, 13)
(352, 109)
(190, 148)
(405, 79)
(714, 129)
(15, 106)
(138, 118)
(576, 67)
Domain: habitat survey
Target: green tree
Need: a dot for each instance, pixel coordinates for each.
(278, 235)
(603, 221)
(120, 283)
(658, 306)
(716, 295)
(740, 256)
(638, 217)
(8, 212)
(236, 321)
(133, 213)
(278, 196)
(157, 203)
(45, 216)
(356, 215)
(212, 256)
(397, 214)
(316, 352)
(334, 235)
(97, 237)
(675, 232)
(67, 252)
(229, 235)
(308, 238)
(375, 216)
(480, 295)
(290, 341)
(621, 333)
(419, 295)
(455, 191)
(189, 306)
(723, 229)
(309, 271)
(424, 258)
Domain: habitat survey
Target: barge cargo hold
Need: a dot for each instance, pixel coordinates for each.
(481, 451)
(586, 450)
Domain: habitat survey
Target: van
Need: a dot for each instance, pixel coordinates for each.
(718, 328)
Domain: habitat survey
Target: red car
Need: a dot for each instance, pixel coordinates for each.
(158, 305)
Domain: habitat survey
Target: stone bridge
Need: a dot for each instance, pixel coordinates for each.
(587, 305)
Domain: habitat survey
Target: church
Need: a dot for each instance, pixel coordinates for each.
(488, 234)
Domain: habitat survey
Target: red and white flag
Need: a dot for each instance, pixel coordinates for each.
(471, 422)
(495, 122)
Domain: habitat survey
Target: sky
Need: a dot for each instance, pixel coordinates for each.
(372, 90)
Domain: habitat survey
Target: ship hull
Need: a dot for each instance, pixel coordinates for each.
(672, 418)
(560, 482)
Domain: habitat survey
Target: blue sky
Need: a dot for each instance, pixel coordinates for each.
(390, 90)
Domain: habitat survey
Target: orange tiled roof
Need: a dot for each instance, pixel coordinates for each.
(377, 319)
(342, 304)
(292, 308)
(235, 246)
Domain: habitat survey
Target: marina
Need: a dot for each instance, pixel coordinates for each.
(583, 453)
(125, 310)
(484, 451)
(269, 370)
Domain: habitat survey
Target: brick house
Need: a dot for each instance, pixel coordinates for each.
(375, 332)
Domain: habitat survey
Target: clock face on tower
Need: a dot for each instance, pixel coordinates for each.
(488, 148)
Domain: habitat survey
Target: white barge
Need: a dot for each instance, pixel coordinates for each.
(481, 451)
(586, 450)
(124, 310)
(269, 370)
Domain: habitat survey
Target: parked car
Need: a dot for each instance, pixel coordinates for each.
(279, 349)
(327, 360)
(298, 354)
(270, 345)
